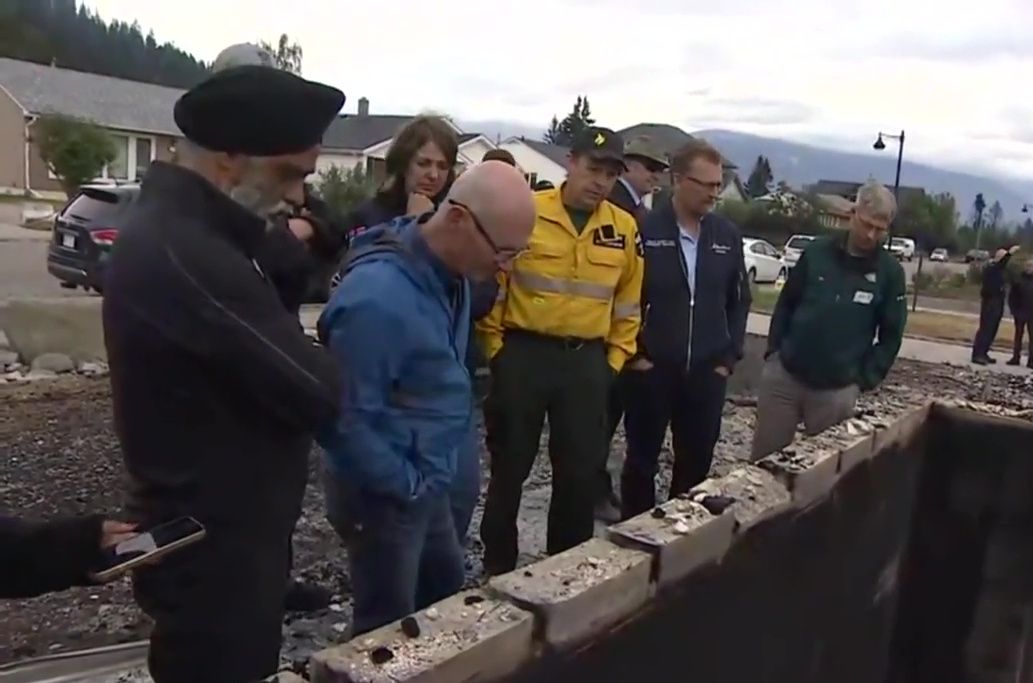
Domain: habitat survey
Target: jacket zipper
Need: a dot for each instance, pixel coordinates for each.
(692, 312)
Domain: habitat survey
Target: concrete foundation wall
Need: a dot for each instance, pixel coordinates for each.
(899, 554)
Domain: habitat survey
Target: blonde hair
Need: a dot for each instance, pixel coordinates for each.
(873, 199)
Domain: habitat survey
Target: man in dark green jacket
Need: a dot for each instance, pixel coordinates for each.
(845, 291)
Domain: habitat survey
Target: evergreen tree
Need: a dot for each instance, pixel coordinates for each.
(759, 182)
(286, 54)
(572, 124)
(553, 132)
(61, 33)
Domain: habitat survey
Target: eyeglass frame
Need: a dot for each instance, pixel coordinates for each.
(502, 254)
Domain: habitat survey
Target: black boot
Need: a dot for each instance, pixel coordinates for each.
(1015, 360)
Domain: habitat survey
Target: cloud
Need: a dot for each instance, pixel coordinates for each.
(754, 110)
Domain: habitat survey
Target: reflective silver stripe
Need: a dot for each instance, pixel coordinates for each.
(542, 283)
(622, 311)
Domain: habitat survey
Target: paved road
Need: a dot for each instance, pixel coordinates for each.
(23, 271)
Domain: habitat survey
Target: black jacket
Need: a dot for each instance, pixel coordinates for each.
(1020, 297)
(216, 389)
(714, 317)
(622, 198)
(41, 557)
(994, 281)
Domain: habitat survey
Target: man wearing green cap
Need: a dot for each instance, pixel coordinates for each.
(643, 164)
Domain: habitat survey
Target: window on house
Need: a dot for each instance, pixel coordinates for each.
(532, 178)
(119, 168)
(376, 169)
(144, 155)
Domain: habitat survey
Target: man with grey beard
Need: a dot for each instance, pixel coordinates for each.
(216, 389)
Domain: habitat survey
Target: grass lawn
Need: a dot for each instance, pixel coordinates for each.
(922, 324)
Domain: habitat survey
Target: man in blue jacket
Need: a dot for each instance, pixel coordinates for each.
(406, 404)
(695, 301)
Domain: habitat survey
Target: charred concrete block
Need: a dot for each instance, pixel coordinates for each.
(808, 472)
(899, 426)
(470, 636)
(582, 592)
(681, 534)
(285, 677)
(758, 494)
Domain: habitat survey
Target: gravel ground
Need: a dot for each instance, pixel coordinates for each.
(62, 458)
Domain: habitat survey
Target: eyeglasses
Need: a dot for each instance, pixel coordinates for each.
(713, 187)
(502, 253)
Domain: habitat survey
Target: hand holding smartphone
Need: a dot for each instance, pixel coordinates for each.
(144, 548)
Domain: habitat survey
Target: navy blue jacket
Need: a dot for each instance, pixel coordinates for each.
(713, 319)
(398, 324)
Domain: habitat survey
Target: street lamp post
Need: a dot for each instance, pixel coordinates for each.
(879, 146)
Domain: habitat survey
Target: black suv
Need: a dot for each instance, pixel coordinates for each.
(84, 231)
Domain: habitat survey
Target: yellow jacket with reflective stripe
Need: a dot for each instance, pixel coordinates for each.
(569, 285)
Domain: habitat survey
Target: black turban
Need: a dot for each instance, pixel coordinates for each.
(257, 111)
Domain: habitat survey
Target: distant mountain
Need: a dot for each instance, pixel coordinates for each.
(800, 164)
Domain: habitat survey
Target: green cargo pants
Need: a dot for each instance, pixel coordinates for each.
(535, 376)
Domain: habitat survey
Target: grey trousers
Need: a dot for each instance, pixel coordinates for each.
(782, 402)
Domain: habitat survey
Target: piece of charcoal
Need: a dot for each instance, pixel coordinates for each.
(411, 627)
(381, 655)
(658, 513)
(472, 599)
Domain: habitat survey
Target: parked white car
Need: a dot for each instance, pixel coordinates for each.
(940, 255)
(902, 247)
(763, 263)
(794, 247)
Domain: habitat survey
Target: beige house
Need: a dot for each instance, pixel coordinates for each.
(362, 140)
(137, 115)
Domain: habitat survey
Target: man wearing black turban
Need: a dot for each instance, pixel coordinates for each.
(216, 389)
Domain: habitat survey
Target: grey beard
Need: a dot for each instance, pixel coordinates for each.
(255, 200)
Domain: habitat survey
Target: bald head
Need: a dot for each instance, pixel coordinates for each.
(485, 221)
(499, 196)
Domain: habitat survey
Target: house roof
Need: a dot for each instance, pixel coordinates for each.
(555, 153)
(354, 131)
(107, 101)
(834, 203)
(848, 189)
(669, 138)
(467, 137)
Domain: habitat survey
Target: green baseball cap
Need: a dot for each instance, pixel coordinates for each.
(643, 147)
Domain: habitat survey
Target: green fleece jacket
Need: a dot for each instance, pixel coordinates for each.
(831, 309)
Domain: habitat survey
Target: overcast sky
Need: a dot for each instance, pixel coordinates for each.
(956, 74)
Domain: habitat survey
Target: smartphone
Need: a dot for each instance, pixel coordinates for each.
(148, 547)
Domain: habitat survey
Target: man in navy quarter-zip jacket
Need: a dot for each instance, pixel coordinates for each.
(695, 301)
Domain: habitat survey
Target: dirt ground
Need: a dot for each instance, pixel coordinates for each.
(62, 458)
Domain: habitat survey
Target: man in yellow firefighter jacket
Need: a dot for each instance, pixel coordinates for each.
(564, 323)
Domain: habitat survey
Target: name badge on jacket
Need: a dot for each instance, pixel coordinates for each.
(862, 297)
(720, 248)
(652, 244)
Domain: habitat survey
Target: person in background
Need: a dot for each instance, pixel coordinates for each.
(845, 291)
(215, 387)
(420, 167)
(695, 301)
(563, 326)
(991, 305)
(43, 557)
(503, 155)
(543, 185)
(407, 402)
(299, 275)
(644, 163)
(1020, 301)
